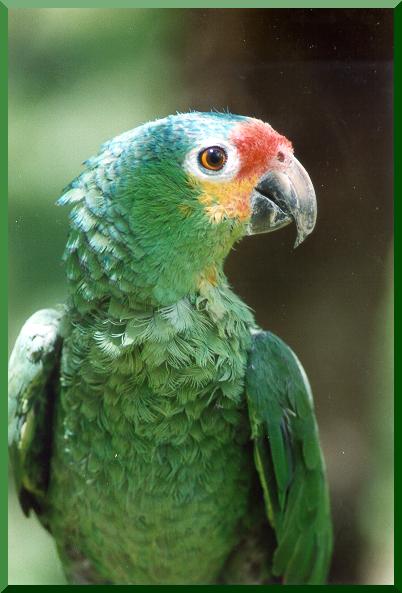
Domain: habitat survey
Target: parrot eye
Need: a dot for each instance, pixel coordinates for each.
(212, 158)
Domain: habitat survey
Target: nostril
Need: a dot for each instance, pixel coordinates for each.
(280, 156)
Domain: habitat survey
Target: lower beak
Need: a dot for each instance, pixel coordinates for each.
(281, 197)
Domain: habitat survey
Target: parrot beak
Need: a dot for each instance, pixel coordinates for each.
(281, 197)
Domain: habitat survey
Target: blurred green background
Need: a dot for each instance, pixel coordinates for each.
(321, 77)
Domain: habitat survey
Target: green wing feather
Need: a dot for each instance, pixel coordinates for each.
(32, 382)
(289, 461)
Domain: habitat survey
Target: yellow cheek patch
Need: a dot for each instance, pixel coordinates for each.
(227, 200)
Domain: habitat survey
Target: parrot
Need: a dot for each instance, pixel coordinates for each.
(155, 430)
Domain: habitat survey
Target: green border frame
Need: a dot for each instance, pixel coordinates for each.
(397, 192)
(203, 4)
(3, 218)
(3, 292)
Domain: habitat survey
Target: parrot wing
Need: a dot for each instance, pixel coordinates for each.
(289, 461)
(33, 379)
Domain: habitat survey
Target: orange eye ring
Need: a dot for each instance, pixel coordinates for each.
(213, 158)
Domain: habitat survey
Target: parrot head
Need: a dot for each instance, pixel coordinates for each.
(175, 194)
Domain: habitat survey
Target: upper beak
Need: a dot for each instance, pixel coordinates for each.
(282, 196)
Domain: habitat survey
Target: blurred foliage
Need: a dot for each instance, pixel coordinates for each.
(322, 77)
(379, 545)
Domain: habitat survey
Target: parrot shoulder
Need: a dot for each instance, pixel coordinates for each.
(32, 385)
(289, 461)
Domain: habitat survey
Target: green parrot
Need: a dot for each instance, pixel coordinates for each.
(159, 434)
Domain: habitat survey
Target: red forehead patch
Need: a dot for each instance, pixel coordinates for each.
(257, 143)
